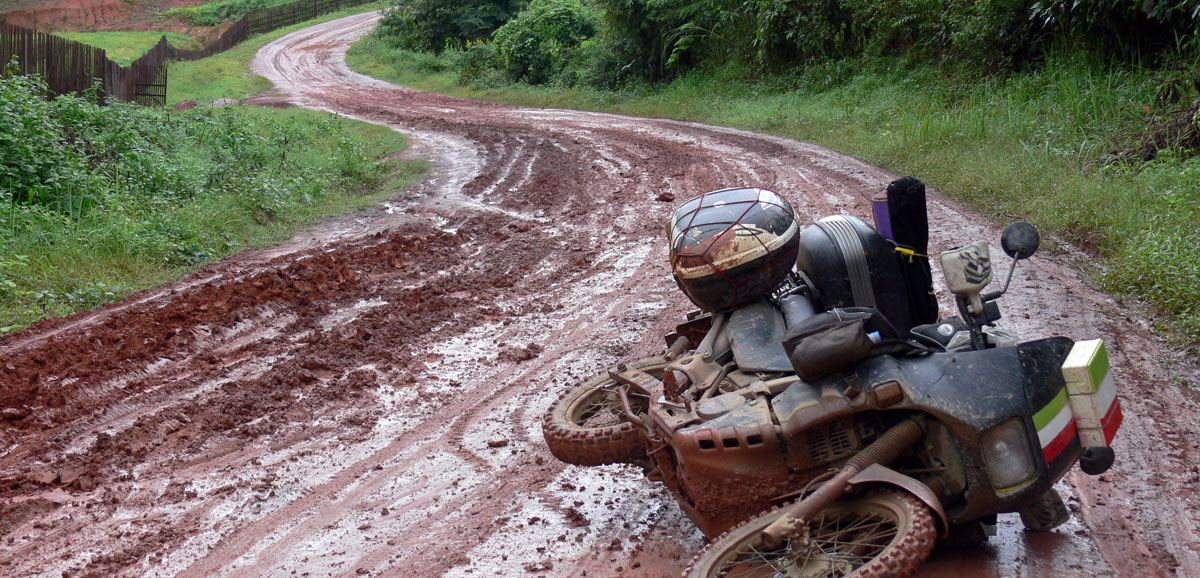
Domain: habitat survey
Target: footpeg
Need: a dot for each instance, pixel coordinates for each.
(1047, 513)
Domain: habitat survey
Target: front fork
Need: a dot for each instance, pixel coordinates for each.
(644, 382)
(890, 446)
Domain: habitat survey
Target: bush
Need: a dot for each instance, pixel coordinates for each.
(978, 33)
(39, 162)
(215, 13)
(476, 63)
(540, 42)
(436, 25)
(599, 64)
(659, 38)
(1120, 27)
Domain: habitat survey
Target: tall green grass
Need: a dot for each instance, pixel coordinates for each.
(1035, 145)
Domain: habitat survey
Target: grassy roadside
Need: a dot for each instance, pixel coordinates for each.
(214, 13)
(226, 75)
(107, 201)
(1034, 146)
(178, 191)
(128, 45)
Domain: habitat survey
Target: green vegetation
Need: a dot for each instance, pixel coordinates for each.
(223, 75)
(659, 39)
(214, 13)
(97, 202)
(436, 25)
(126, 46)
(1053, 130)
(227, 75)
(543, 39)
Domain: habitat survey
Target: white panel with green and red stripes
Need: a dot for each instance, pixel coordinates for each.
(1086, 407)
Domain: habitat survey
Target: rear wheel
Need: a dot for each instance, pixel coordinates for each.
(587, 425)
(884, 534)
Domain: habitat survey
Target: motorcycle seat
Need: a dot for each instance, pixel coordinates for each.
(756, 335)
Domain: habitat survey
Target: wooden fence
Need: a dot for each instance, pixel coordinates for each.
(267, 19)
(69, 67)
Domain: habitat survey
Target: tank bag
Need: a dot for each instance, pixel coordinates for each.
(840, 338)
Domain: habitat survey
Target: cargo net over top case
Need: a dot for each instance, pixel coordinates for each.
(732, 246)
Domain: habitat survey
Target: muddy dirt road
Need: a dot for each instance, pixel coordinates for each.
(366, 399)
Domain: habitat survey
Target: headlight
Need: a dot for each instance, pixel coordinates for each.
(1008, 456)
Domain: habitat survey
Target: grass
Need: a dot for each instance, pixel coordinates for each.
(214, 13)
(126, 46)
(1033, 146)
(52, 264)
(227, 75)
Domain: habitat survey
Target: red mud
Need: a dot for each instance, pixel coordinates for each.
(101, 15)
(366, 399)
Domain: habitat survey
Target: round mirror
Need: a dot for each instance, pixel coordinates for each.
(1020, 240)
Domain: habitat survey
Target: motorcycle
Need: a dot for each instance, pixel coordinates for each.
(814, 420)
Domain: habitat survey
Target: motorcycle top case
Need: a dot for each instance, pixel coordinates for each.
(732, 246)
(852, 265)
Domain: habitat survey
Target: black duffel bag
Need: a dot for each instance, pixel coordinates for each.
(840, 338)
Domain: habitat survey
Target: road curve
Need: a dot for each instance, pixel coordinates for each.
(365, 400)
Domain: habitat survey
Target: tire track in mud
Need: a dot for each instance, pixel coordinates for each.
(325, 503)
(326, 407)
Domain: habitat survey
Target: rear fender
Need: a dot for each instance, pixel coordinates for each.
(880, 474)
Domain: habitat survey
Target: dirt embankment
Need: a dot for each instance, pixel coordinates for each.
(100, 15)
(366, 399)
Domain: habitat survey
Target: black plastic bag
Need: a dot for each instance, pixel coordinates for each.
(909, 219)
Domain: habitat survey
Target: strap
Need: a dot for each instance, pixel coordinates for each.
(910, 253)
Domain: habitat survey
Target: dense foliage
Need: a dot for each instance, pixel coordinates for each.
(654, 39)
(214, 13)
(435, 25)
(90, 192)
(543, 39)
(663, 36)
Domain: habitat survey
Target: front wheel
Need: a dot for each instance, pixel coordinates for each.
(883, 534)
(587, 425)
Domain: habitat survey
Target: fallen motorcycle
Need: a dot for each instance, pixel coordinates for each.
(816, 418)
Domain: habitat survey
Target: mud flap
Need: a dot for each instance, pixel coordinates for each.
(880, 474)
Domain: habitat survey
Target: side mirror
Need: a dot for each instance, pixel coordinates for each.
(1020, 240)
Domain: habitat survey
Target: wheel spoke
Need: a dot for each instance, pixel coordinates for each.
(838, 545)
(604, 408)
(850, 536)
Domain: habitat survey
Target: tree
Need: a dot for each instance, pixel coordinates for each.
(542, 39)
(435, 25)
